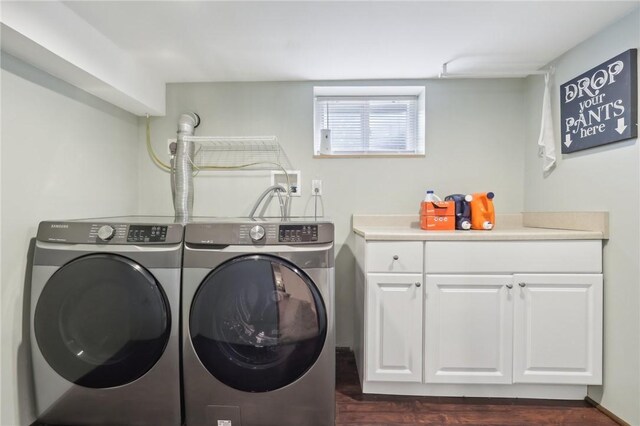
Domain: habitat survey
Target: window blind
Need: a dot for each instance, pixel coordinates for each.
(369, 124)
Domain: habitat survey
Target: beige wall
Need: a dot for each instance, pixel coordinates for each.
(474, 143)
(605, 178)
(65, 154)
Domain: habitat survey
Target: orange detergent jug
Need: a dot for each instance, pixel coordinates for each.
(483, 216)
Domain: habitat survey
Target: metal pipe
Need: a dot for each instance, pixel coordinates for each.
(183, 175)
(521, 74)
(492, 74)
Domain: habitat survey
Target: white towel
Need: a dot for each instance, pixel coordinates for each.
(546, 141)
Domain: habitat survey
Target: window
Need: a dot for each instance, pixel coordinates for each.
(387, 121)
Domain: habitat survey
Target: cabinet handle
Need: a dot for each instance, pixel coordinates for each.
(523, 285)
(418, 284)
(509, 286)
(395, 257)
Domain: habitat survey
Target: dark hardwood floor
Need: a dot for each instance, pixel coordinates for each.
(355, 409)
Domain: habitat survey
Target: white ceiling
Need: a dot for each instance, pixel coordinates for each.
(184, 41)
(124, 52)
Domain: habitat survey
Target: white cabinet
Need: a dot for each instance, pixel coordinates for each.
(558, 328)
(394, 327)
(521, 328)
(468, 329)
(479, 318)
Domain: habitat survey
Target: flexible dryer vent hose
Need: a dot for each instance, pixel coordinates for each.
(183, 178)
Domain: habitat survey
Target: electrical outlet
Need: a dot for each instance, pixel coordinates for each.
(316, 187)
(278, 178)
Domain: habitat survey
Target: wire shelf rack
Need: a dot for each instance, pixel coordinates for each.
(238, 153)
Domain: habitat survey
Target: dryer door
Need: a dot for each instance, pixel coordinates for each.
(257, 323)
(102, 320)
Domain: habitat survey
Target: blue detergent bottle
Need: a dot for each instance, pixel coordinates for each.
(463, 210)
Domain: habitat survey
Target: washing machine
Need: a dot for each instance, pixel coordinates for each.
(105, 300)
(258, 323)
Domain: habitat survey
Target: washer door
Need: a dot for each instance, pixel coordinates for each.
(102, 320)
(257, 323)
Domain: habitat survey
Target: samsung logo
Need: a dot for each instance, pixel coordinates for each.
(59, 226)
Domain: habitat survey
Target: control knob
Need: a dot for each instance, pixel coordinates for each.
(257, 233)
(106, 232)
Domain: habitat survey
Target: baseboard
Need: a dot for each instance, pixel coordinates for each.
(518, 390)
(606, 412)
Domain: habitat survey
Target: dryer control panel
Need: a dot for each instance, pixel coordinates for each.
(112, 233)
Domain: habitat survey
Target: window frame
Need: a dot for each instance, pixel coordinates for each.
(370, 93)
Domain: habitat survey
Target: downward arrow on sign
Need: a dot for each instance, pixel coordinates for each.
(621, 125)
(567, 140)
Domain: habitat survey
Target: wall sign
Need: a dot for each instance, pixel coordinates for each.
(601, 105)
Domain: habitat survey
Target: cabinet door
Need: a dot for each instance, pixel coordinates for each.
(558, 329)
(468, 328)
(394, 327)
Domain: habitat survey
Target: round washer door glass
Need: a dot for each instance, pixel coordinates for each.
(102, 320)
(257, 323)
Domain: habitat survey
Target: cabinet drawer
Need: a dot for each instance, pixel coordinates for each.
(563, 256)
(394, 256)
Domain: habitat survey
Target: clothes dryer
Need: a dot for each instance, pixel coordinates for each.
(258, 323)
(105, 300)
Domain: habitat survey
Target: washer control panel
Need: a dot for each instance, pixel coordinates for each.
(298, 233)
(259, 233)
(251, 233)
(147, 234)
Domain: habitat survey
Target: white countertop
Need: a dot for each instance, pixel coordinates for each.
(508, 227)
